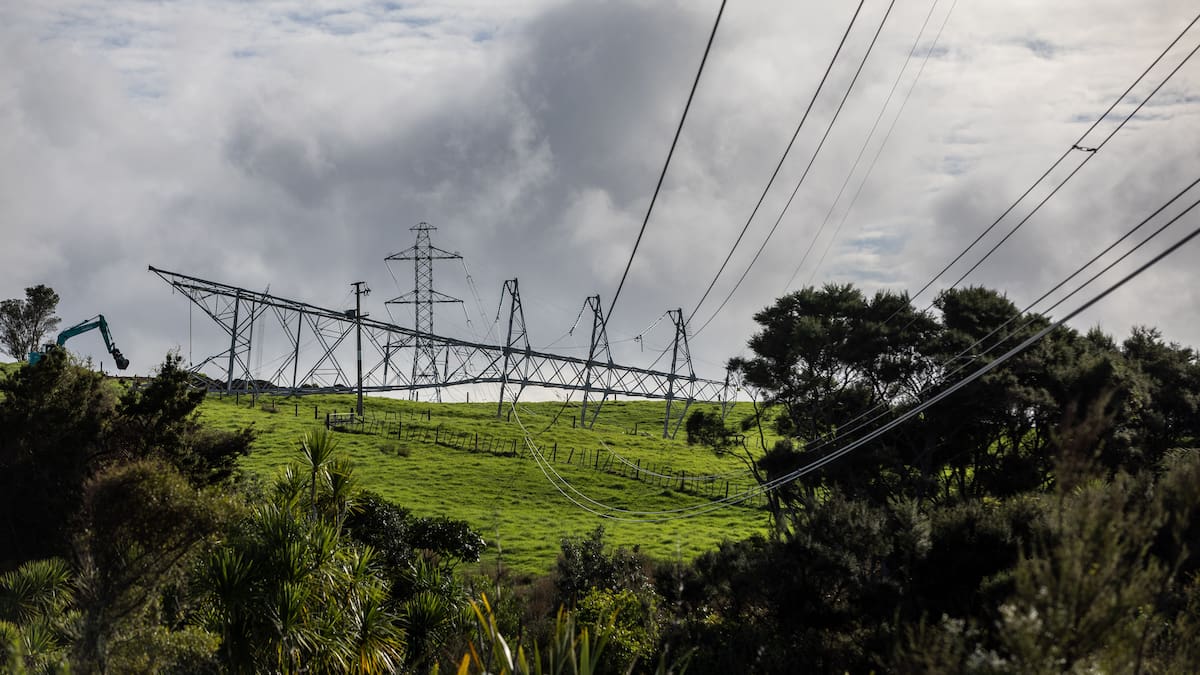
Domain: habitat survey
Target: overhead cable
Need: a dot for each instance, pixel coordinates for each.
(662, 176)
(881, 410)
(1074, 147)
(782, 158)
(800, 182)
(842, 450)
(883, 144)
(986, 368)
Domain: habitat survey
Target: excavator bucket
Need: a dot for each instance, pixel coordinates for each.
(122, 362)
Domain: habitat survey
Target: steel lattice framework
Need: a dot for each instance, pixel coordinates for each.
(236, 310)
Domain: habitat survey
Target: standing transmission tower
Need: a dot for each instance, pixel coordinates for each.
(422, 298)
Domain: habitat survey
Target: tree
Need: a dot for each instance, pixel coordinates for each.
(1172, 416)
(23, 323)
(828, 355)
(160, 419)
(36, 618)
(707, 428)
(53, 420)
(290, 592)
(59, 424)
(583, 565)
(143, 528)
(317, 451)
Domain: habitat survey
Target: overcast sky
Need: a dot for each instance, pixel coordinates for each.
(293, 144)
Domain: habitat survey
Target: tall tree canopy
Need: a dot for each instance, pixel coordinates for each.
(23, 323)
(830, 359)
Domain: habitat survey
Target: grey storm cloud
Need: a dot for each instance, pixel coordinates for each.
(292, 144)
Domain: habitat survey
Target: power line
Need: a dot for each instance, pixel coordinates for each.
(886, 137)
(880, 410)
(701, 509)
(662, 176)
(1091, 153)
(836, 454)
(657, 188)
(1073, 148)
(602, 509)
(804, 175)
(689, 512)
(779, 165)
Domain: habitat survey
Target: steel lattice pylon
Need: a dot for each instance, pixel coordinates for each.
(422, 298)
(598, 347)
(517, 335)
(672, 420)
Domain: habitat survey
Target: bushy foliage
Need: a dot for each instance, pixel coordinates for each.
(707, 428)
(630, 621)
(287, 589)
(62, 423)
(584, 564)
(160, 419)
(822, 599)
(37, 621)
(1089, 594)
(143, 527)
(54, 420)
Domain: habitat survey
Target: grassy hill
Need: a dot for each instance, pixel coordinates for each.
(6, 368)
(428, 462)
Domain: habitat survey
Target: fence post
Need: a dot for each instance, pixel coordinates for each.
(682, 475)
(571, 456)
(637, 475)
(476, 441)
(554, 453)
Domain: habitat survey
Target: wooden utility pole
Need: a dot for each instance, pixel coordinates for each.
(360, 289)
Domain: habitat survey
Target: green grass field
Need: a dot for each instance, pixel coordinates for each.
(6, 368)
(508, 499)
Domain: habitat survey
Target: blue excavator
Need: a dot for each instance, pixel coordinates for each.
(94, 323)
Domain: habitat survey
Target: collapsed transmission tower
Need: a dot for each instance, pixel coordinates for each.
(423, 298)
(513, 364)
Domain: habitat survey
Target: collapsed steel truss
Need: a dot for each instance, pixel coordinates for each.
(513, 364)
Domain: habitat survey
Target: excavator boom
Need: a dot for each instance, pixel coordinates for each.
(98, 322)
